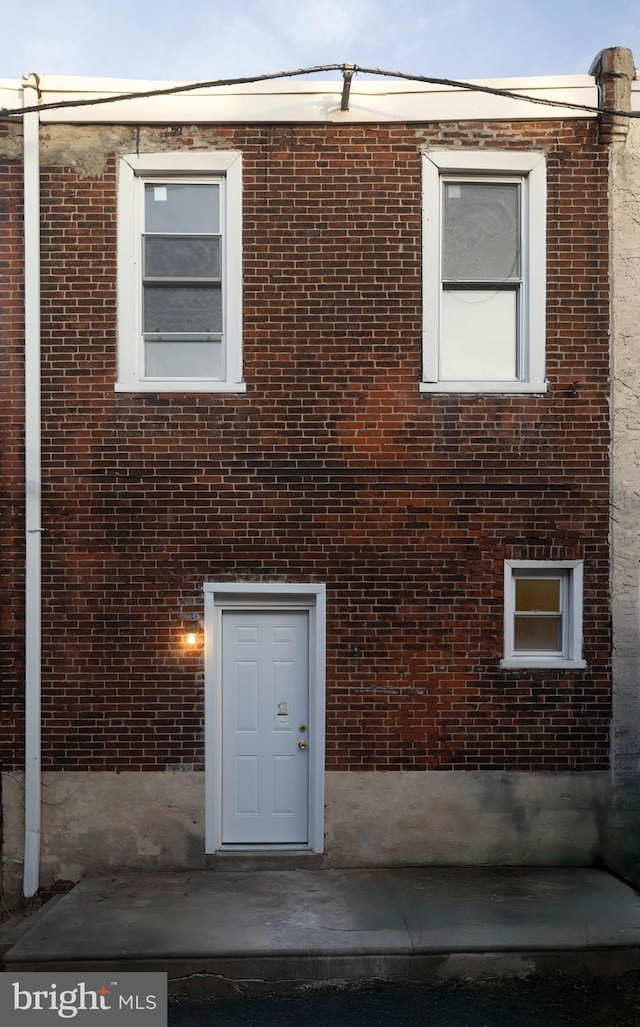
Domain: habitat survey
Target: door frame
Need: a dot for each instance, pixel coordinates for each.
(275, 596)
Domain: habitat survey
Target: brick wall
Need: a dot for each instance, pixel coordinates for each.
(11, 447)
(332, 467)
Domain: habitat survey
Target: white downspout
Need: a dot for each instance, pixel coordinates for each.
(32, 779)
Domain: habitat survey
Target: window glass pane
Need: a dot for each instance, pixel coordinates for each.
(182, 207)
(181, 308)
(478, 332)
(188, 358)
(481, 231)
(177, 256)
(538, 634)
(538, 594)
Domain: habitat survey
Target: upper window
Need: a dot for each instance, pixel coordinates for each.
(483, 271)
(179, 272)
(543, 614)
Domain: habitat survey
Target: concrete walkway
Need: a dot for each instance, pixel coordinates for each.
(268, 926)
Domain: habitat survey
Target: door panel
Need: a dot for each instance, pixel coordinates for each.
(265, 712)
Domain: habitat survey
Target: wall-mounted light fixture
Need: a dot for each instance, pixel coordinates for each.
(192, 633)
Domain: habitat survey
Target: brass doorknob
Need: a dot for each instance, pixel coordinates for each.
(302, 745)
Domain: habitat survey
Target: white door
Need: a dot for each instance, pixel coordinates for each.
(265, 718)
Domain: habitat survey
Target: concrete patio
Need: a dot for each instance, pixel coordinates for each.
(225, 928)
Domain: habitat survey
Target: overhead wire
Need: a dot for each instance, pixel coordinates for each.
(345, 69)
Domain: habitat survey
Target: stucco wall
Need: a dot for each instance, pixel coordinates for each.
(95, 822)
(464, 818)
(623, 831)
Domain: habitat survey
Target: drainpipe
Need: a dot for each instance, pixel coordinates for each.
(32, 780)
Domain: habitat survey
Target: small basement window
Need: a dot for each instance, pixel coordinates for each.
(543, 614)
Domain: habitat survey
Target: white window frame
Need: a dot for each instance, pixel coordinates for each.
(530, 169)
(571, 572)
(133, 168)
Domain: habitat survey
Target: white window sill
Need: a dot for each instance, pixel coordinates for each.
(163, 385)
(541, 663)
(503, 387)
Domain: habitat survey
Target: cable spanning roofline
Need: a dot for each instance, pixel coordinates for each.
(345, 69)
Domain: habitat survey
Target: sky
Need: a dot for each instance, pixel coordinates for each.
(211, 39)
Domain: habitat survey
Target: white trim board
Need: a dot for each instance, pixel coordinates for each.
(311, 100)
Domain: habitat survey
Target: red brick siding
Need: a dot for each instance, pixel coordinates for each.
(11, 452)
(332, 468)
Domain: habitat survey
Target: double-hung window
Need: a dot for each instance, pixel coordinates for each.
(179, 272)
(543, 614)
(483, 271)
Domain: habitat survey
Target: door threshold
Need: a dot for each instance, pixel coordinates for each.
(266, 859)
(265, 847)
